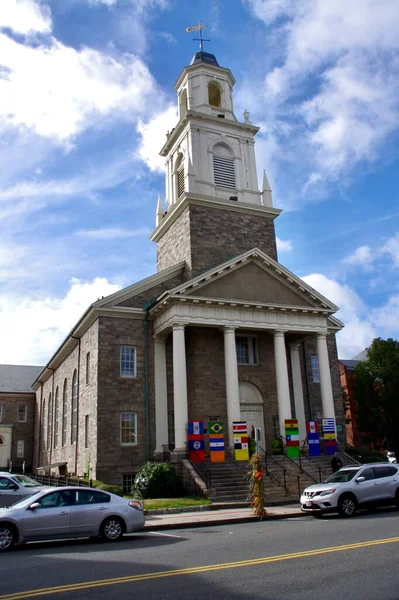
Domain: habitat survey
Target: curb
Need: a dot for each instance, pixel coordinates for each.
(228, 521)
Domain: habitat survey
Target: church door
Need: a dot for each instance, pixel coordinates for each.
(251, 408)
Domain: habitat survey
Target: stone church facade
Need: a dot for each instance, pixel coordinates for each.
(221, 330)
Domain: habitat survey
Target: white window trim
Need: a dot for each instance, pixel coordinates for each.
(20, 448)
(120, 427)
(24, 420)
(251, 360)
(135, 363)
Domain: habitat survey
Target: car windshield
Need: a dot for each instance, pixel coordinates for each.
(26, 481)
(25, 501)
(342, 476)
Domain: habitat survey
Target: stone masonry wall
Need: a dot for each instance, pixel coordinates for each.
(206, 236)
(118, 394)
(79, 458)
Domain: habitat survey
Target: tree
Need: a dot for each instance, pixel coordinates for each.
(376, 394)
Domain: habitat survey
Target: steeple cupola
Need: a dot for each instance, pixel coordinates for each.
(210, 153)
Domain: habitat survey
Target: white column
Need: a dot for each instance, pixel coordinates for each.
(327, 400)
(161, 394)
(180, 387)
(283, 388)
(232, 386)
(298, 392)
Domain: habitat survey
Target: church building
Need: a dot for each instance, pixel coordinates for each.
(222, 331)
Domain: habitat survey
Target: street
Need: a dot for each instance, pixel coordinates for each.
(294, 558)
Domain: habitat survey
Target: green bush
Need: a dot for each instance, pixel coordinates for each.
(162, 481)
(112, 489)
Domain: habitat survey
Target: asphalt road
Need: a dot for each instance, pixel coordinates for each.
(299, 558)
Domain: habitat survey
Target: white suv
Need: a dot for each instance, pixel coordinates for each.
(351, 487)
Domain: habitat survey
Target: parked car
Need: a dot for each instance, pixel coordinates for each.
(69, 512)
(352, 487)
(14, 487)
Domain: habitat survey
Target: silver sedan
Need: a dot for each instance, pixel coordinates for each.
(69, 512)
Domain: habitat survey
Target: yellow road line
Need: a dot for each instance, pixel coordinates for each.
(192, 570)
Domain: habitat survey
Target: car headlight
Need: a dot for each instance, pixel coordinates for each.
(325, 492)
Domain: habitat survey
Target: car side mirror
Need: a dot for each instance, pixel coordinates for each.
(360, 479)
(34, 506)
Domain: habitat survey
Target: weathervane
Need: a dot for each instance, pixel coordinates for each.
(199, 28)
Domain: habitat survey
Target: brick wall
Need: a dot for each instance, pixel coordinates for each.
(20, 431)
(206, 236)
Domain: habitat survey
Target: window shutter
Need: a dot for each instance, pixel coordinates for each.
(224, 172)
(180, 181)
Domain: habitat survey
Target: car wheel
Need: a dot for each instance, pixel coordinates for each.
(7, 537)
(347, 506)
(112, 529)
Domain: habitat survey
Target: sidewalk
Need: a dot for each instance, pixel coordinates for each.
(215, 516)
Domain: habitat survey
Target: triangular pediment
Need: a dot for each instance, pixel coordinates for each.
(254, 277)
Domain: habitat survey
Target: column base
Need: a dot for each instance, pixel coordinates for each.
(178, 454)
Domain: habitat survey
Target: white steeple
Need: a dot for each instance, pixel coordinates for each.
(210, 154)
(159, 213)
(266, 191)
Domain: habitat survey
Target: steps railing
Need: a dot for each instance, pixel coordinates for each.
(269, 458)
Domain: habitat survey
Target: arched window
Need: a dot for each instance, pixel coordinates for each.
(183, 103)
(223, 167)
(64, 412)
(1, 440)
(56, 417)
(179, 175)
(74, 407)
(214, 95)
(49, 421)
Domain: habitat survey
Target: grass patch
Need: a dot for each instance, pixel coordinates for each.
(157, 503)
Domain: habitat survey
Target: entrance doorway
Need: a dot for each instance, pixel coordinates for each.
(251, 408)
(5, 446)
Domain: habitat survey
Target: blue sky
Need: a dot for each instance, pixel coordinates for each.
(86, 97)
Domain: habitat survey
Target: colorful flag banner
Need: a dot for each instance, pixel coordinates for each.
(216, 441)
(330, 436)
(240, 435)
(292, 444)
(312, 429)
(196, 442)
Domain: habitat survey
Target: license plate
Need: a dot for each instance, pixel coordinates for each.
(308, 504)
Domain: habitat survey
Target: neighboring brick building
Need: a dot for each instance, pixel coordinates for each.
(222, 330)
(17, 411)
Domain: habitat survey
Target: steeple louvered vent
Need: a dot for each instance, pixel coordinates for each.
(224, 172)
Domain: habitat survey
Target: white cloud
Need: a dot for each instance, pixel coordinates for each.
(336, 83)
(25, 16)
(58, 91)
(283, 245)
(386, 317)
(362, 256)
(391, 247)
(112, 233)
(359, 330)
(34, 328)
(168, 37)
(152, 133)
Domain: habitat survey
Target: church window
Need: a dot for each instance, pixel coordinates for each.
(183, 103)
(74, 411)
(214, 95)
(128, 361)
(1, 413)
(1, 441)
(64, 412)
(88, 368)
(56, 417)
(22, 413)
(315, 368)
(179, 174)
(128, 428)
(127, 483)
(247, 350)
(223, 167)
(49, 421)
(20, 448)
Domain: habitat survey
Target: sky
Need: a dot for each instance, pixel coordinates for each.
(87, 95)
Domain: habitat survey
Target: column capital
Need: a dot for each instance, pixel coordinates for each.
(159, 339)
(178, 326)
(295, 346)
(321, 335)
(279, 332)
(228, 329)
